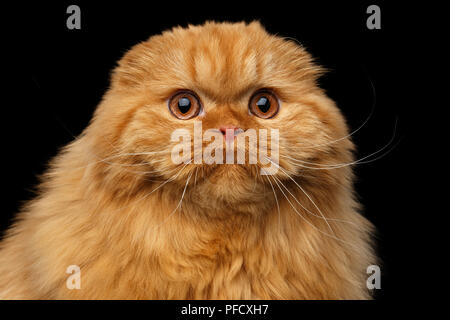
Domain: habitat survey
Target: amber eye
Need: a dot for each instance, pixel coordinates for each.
(264, 104)
(184, 105)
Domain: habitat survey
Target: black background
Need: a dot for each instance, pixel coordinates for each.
(56, 77)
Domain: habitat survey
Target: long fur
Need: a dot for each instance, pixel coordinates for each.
(110, 201)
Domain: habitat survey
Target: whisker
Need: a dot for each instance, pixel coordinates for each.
(341, 165)
(312, 225)
(140, 172)
(105, 160)
(306, 194)
(322, 216)
(276, 200)
(357, 129)
(178, 205)
(127, 154)
(315, 215)
(158, 187)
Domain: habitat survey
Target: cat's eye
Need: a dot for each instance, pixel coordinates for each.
(184, 105)
(264, 104)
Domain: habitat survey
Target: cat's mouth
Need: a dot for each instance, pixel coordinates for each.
(230, 183)
(225, 174)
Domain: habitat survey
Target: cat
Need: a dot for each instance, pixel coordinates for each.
(139, 226)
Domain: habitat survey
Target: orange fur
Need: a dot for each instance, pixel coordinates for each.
(227, 240)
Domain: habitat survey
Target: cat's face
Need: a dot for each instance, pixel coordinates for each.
(222, 76)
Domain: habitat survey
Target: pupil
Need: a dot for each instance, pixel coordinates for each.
(184, 104)
(263, 104)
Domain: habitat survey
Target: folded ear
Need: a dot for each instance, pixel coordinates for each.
(132, 67)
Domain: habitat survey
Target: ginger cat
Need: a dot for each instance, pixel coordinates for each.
(140, 226)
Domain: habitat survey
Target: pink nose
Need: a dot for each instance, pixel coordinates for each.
(224, 129)
(232, 131)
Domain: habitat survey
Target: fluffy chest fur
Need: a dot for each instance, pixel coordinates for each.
(137, 251)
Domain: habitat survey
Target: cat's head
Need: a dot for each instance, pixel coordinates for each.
(218, 76)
